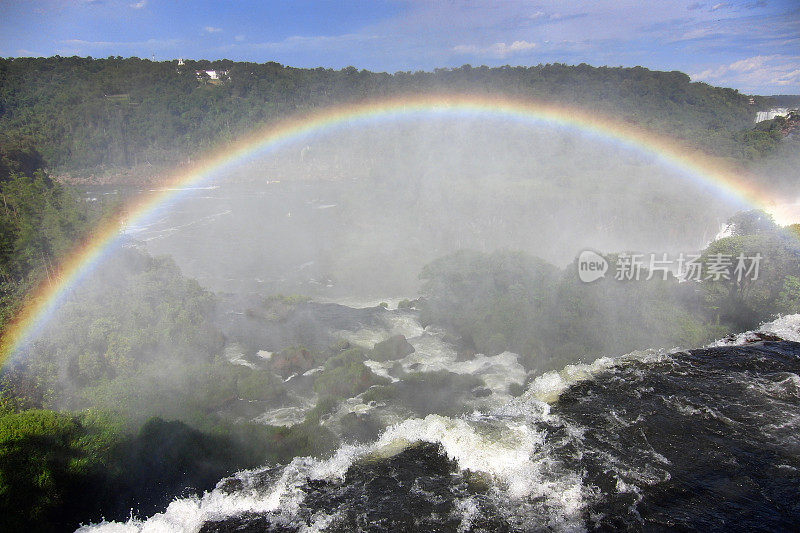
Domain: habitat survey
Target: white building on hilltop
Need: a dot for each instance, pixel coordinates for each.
(213, 75)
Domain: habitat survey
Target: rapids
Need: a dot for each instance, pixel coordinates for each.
(703, 439)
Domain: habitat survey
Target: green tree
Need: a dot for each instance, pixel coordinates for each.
(759, 257)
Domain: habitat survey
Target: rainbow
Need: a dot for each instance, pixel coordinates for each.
(79, 264)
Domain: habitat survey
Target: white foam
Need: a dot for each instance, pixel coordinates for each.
(396, 323)
(187, 515)
(497, 371)
(381, 368)
(430, 354)
(786, 327)
(513, 455)
(549, 386)
(405, 324)
(469, 511)
(265, 354)
(366, 338)
(283, 416)
(234, 353)
(504, 455)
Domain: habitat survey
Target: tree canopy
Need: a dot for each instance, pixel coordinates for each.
(86, 115)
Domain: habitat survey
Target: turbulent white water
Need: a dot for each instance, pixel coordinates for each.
(509, 450)
(786, 327)
(510, 444)
(510, 453)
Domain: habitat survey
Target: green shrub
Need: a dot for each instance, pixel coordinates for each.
(52, 467)
(260, 385)
(325, 406)
(405, 304)
(346, 377)
(348, 357)
(380, 393)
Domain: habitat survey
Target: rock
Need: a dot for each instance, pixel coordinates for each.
(360, 427)
(391, 349)
(409, 304)
(767, 337)
(465, 355)
(753, 337)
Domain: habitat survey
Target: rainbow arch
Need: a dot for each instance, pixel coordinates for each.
(703, 169)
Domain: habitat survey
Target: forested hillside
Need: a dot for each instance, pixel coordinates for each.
(88, 115)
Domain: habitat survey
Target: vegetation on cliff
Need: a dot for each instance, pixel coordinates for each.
(511, 301)
(94, 115)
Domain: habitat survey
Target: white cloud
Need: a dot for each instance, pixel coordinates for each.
(239, 38)
(212, 29)
(696, 33)
(750, 64)
(756, 71)
(81, 46)
(139, 5)
(314, 42)
(499, 50)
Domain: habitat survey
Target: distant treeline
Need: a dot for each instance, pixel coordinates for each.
(84, 113)
(791, 101)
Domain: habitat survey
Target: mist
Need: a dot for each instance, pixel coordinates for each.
(357, 213)
(265, 275)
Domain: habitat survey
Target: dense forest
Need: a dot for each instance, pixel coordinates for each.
(136, 392)
(100, 115)
(513, 301)
(40, 221)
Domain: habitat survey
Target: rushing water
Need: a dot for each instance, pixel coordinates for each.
(707, 439)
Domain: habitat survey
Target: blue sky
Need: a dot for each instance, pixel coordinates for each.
(751, 45)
